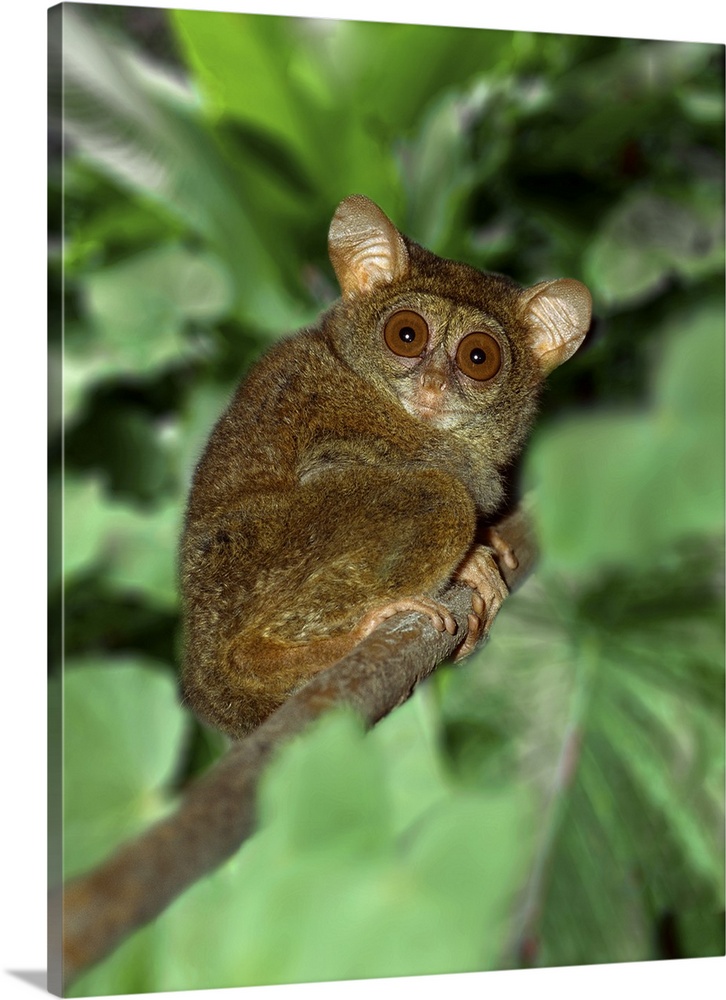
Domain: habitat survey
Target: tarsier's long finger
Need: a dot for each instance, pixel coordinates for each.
(439, 616)
(502, 548)
(472, 638)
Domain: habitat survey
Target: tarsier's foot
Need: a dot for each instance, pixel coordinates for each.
(480, 571)
(440, 617)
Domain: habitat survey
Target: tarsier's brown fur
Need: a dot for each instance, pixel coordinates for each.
(345, 483)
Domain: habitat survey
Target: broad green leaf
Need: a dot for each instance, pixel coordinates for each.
(471, 850)
(138, 307)
(147, 135)
(139, 312)
(344, 809)
(83, 522)
(141, 549)
(690, 379)
(396, 70)
(203, 407)
(196, 283)
(616, 488)
(275, 75)
(123, 730)
(576, 495)
(645, 241)
(131, 548)
(351, 898)
(407, 740)
(279, 75)
(659, 736)
(610, 698)
(437, 172)
(590, 908)
(257, 67)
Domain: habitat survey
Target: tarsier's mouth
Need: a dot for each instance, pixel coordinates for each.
(438, 415)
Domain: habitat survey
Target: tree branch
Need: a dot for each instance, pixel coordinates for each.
(217, 813)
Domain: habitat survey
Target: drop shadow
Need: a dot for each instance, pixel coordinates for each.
(35, 977)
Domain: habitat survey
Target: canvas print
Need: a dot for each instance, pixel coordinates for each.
(386, 496)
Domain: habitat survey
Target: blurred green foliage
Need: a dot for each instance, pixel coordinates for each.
(560, 799)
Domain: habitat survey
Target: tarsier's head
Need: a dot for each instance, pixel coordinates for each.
(453, 344)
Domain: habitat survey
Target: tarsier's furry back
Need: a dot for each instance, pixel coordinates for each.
(346, 480)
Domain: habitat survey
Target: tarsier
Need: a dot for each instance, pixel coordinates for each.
(350, 474)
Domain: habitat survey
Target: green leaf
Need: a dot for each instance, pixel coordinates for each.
(576, 496)
(277, 75)
(608, 695)
(617, 488)
(123, 729)
(658, 735)
(202, 408)
(438, 173)
(133, 549)
(258, 68)
(646, 240)
(139, 306)
(138, 312)
(689, 382)
(395, 71)
(145, 132)
(327, 874)
(83, 522)
(141, 549)
(345, 808)
(407, 740)
(471, 853)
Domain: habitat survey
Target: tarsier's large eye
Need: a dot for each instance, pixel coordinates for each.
(479, 356)
(406, 333)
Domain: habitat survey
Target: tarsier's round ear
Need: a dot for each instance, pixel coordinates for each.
(366, 249)
(557, 315)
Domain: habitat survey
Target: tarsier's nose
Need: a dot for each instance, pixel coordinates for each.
(434, 378)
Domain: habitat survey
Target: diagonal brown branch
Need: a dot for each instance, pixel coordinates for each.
(217, 814)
